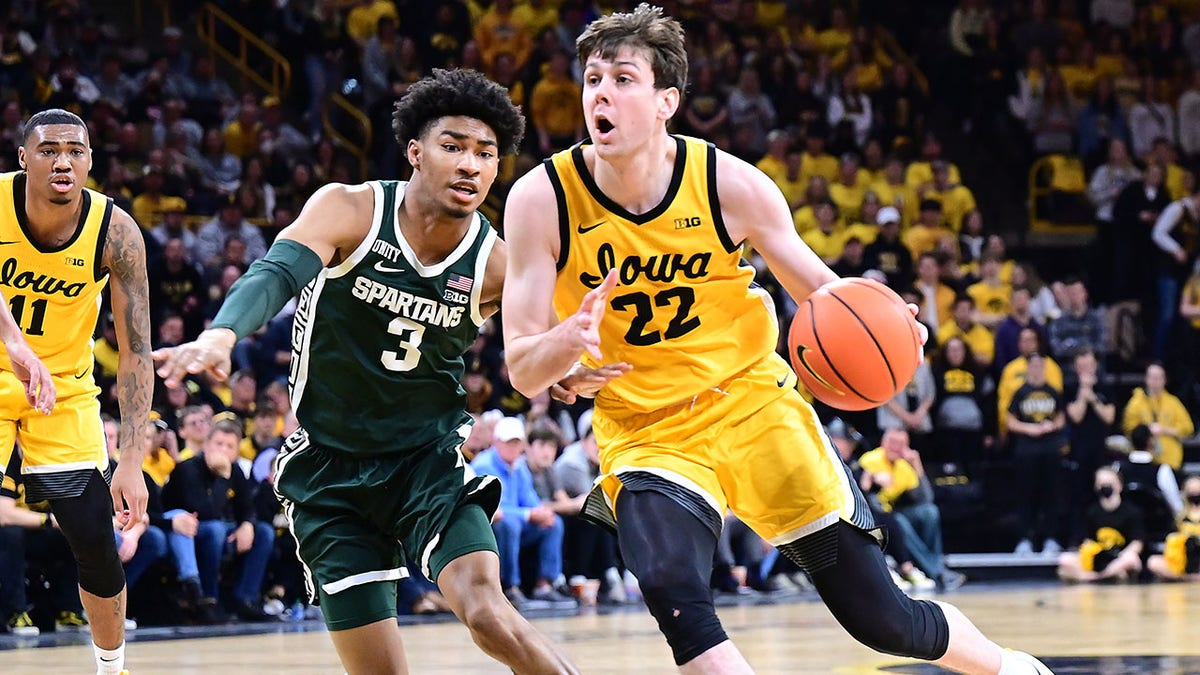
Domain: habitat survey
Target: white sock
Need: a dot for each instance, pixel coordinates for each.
(1017, 663)
(109, 661)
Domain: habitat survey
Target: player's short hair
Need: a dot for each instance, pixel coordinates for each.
(645, 28)
(51, 116)
(450, 93)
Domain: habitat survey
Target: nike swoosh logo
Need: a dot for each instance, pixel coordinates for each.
(380, 267)
(783, 382)
(83, 374)
(584, 229)
(800, 351)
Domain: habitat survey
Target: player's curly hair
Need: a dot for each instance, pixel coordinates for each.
(447, 93)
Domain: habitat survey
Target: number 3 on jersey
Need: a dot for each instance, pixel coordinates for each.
(410, 334)
(643, 306)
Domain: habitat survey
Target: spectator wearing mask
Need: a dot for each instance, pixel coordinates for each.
(1116, 532)
(1035, 422)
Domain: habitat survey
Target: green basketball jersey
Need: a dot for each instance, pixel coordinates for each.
(378, 341)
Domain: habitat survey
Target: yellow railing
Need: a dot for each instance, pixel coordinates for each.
(275, 82)
(362, 124)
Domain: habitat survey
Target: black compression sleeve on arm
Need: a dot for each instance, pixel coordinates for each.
(267, 286)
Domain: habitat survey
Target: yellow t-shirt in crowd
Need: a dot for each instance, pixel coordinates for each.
(904, 476)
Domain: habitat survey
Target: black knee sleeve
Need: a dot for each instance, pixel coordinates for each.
(671, 551)
(848, 570)
(86, 522)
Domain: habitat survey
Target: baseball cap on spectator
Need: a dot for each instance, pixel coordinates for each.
(931, 205)
(888, 214)
(270, 102)
(172, 32)
(509, 429)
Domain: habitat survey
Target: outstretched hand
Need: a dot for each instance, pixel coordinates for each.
(586, 382)
(208, 352)
(586, 321)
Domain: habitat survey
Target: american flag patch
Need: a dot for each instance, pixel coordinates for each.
(459, 283)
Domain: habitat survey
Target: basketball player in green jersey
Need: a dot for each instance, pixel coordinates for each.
(397, 279)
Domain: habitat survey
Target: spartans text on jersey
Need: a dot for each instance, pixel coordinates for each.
(406, 304)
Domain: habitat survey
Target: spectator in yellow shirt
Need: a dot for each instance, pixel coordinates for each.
(241, 135)
(816, 161)
(554, 106)
(993, 297)
(805, 218)
(975, 335)
(920, 172)
(1013, 375)
(537, 15)
(499, 30)
(924, 234)
(790, 181)
(851, 184)
(893, 191)
(363, 20)
(826, 240)
(894, 472)
(957, 200)
(937, 299)
(1163, 413)
(774, 163)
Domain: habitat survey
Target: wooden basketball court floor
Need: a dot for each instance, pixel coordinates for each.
(1149, 628)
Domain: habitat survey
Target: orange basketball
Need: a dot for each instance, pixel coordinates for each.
(854, 344)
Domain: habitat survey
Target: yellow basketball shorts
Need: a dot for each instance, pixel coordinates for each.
(59, 450)
(752, 445)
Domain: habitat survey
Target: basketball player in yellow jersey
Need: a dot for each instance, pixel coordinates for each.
(624, 251)
(59, 244)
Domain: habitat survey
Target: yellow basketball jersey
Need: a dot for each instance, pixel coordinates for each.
(54, 293)
(686, 314)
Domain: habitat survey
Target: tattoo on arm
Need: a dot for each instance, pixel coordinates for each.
(125, 258)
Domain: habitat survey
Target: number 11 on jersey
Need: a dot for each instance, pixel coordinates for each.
(38, 315)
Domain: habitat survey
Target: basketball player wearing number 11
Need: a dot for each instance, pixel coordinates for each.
(708, 417)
